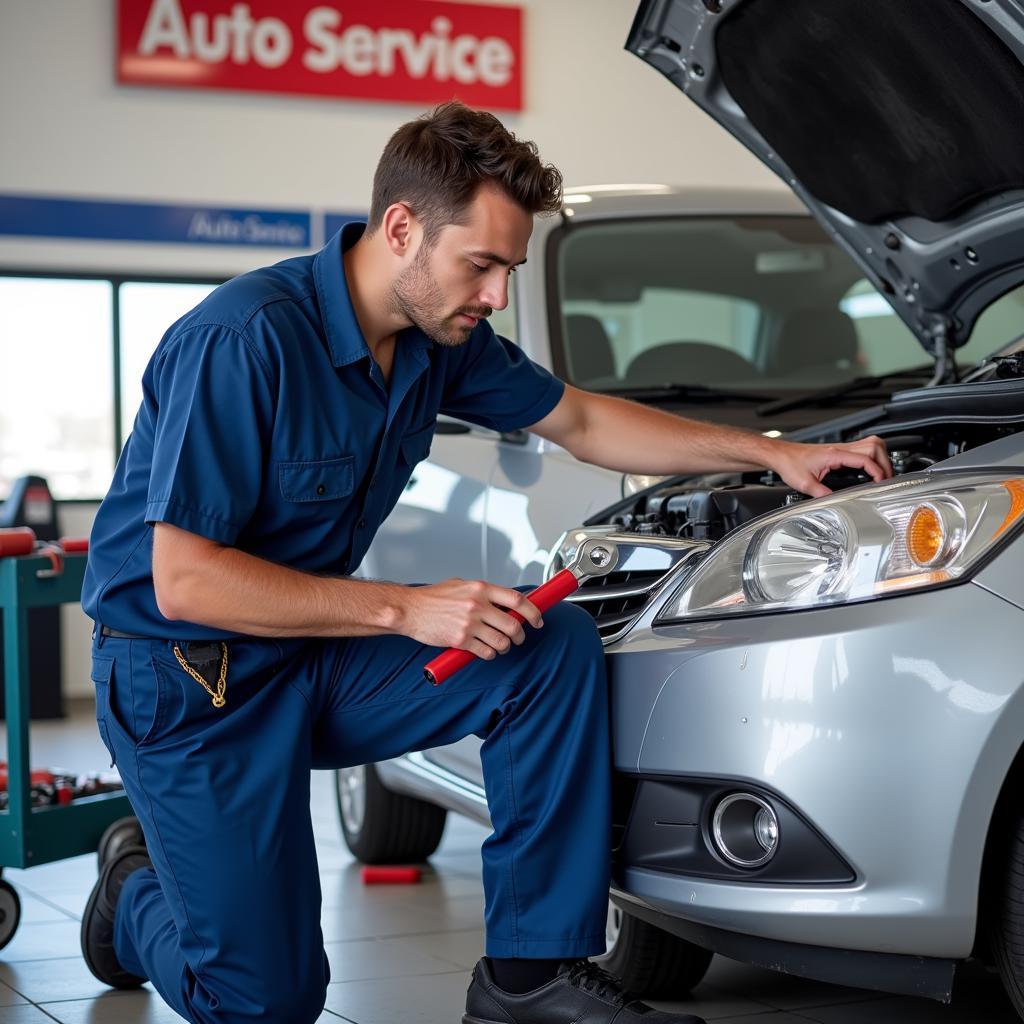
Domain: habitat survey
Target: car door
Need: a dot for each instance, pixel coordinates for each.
(534, 490)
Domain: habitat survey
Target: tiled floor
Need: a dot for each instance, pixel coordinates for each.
(398, 955)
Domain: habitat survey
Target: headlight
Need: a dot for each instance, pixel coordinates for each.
(866, 542)
(634, 483)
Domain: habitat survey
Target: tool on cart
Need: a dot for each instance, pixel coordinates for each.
(47, 815)
(595, 557)
(57, 787)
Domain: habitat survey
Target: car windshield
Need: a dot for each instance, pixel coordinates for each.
(768, 304)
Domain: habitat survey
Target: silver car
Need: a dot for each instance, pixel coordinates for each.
(816, 708)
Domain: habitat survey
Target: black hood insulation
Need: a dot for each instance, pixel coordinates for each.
(926, 105)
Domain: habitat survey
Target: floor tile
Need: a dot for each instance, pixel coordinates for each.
(23, 1015)
(462, 949)
(434, 999)
(366, 959)
(42, 981)
(8, 997)
(775, 989)
(40, 910)
(116, 1008)
(899, 1010)
(712, 1004)
(43, 942)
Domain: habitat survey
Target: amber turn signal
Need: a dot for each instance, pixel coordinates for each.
(926, 535)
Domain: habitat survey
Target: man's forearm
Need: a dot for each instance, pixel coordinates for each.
(228, 589)
(632, 438)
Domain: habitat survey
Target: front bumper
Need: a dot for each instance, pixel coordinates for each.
(887, 726)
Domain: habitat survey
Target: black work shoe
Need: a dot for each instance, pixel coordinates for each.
(98, 919)
(118, 836)
(581, 992)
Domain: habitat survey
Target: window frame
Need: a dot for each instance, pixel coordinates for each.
(115, 279)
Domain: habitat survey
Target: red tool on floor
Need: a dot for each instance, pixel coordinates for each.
(390, 876)
(593, 558)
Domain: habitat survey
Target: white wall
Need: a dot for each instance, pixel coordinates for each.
(597, 112)
(67, 128)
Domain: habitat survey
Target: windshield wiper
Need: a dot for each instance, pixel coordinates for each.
(820, 396)
(695, 391)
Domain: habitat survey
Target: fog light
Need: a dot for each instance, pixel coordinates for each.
(745, 830)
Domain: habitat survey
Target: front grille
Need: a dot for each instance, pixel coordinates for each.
(616, 599)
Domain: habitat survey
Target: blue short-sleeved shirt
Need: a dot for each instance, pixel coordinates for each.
(266, 425)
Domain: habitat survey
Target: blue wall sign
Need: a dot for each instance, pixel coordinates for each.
(53, 217)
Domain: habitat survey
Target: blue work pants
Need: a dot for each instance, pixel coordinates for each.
(227, 923)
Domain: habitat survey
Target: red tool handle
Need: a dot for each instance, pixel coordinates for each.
(17, 540)
(73, 545)
(547, 594)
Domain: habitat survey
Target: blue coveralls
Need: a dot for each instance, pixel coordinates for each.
(266, 425)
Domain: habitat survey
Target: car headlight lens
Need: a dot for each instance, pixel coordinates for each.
(862, 543)
(803, 555)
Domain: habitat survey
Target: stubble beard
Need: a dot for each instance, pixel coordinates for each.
(415, 296)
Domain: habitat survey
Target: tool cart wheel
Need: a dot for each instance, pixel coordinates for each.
(10, 912)
(648, 960)
(117, 836)
(382, 827)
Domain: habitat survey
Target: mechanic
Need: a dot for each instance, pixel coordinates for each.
(233, 650)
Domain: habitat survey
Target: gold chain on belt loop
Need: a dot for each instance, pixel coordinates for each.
(219, 700)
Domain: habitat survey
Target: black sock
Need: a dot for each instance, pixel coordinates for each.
(518, 976)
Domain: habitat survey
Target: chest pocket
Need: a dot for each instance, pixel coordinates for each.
(317, 481)
(416, 446)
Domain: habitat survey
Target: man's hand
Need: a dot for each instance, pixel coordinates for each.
(468, 614)
(802, 466)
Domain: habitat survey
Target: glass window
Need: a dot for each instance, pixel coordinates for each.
(771, 304)
(886, 343)
(148, 308)
(56, 384)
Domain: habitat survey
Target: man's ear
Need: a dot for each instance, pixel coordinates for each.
(401, 229)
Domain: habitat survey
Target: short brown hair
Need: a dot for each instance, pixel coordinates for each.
(436, 163)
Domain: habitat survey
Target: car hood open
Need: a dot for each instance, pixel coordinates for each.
(899, 124)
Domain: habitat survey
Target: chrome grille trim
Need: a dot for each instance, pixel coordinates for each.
(646, 565)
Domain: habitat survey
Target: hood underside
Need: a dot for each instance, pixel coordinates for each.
(898, 122)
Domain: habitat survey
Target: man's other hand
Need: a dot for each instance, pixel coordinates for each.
(468, 614)
(803, 466)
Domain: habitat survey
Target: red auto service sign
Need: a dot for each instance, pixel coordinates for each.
(404, 51)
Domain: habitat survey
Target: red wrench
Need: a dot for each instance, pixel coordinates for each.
(593, 558)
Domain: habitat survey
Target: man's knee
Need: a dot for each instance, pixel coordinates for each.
(287, 1000)
(298, 1006)
(287, 991)
(574, 629)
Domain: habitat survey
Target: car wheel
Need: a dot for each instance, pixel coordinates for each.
(10, 912)
(649, 961)
(382, 827)
(1006, 937)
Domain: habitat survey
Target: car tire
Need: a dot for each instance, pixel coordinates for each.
(1006, 935)
(650, 961)
(382, 827)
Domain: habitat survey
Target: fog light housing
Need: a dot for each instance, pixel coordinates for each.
(745, 830)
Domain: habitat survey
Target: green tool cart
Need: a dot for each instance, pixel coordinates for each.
(37, 835)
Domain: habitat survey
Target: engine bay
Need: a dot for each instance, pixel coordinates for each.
(710, 507)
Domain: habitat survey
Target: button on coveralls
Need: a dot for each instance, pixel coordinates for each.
(264, 422)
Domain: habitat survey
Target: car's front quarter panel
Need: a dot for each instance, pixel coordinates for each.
(888, 725)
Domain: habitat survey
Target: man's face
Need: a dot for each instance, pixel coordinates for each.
(464, 276)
